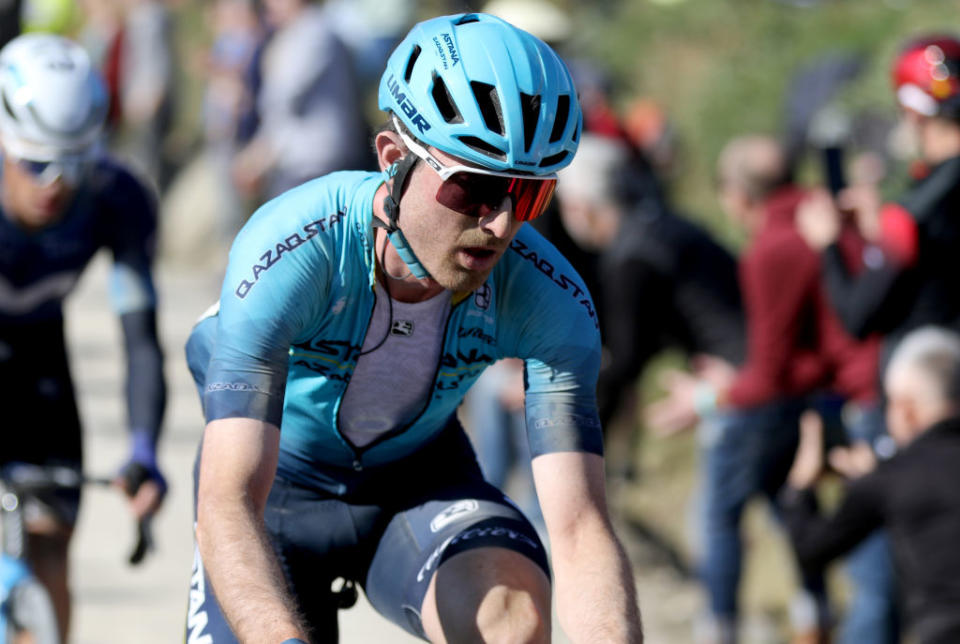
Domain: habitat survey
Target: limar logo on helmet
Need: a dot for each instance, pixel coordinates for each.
(406, 106)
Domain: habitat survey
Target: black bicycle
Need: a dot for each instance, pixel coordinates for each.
(25, 605)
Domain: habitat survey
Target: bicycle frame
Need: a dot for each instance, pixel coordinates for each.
(17, 583)
(20, 593)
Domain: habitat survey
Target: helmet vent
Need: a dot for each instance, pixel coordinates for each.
(413, 58)
(531, 115)
(467, 19)
(560, 122)
(554, 159)
(444, 102)
(483, 147)
(489, 103)
(7, 108)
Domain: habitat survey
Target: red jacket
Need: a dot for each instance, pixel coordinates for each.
(795, 343)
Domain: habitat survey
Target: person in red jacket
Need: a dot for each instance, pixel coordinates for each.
(910, 277)
(796, 348)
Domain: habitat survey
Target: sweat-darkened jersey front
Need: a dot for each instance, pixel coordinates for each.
(294, 310)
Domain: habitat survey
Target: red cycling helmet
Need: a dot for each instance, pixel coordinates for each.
(926, 76)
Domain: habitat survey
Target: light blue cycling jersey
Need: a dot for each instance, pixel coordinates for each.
(295, 306)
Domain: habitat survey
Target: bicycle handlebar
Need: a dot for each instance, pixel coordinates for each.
(26, 478)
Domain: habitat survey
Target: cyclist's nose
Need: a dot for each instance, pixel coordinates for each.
(499, 221)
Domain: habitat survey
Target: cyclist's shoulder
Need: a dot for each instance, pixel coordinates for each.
(111, 180)
(321, 224)
(536, 277)
(535, 261)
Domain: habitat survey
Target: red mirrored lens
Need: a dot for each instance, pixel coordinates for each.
(532, 197)
(475, 194)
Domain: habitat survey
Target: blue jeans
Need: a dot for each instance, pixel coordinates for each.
(871, 615)
(745, 453)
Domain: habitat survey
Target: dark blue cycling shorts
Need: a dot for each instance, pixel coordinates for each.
(389, 536)
(42, 424)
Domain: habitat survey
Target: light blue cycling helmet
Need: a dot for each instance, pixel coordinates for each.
(475, 86)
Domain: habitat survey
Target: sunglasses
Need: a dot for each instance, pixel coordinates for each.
(45, 173)
(475, 192)
(45, 165)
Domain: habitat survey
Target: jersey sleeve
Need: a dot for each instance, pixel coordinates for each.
(133, 239)
(130, 222)
(559, 340)
(275, 286)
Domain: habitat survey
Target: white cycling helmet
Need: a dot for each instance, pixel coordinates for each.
(52, 101)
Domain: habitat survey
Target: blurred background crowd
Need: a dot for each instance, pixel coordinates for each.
(762, 207)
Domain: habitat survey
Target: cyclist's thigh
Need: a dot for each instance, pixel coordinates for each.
(419, 539)
(318, 540)
(42, 424)
(314, 539)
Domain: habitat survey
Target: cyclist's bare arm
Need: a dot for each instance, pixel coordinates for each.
(238, 464)
(596, 597)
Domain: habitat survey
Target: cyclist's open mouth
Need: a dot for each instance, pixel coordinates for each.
(478, 257)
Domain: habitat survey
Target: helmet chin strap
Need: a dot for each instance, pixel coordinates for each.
(399, 172)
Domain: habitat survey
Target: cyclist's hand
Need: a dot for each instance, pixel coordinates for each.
(144, 485)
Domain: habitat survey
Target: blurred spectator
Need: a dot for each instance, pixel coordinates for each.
(914, 251)
(370, 29)
(237, 34)
(647, 127)
(102, 36)
(907, 253)
(916, 494)
(595, 89)
(663, 280)
(146, 87)
(310, 119)
(794, 347)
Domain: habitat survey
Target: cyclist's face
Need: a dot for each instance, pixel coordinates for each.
(29, 202)
(458, 250)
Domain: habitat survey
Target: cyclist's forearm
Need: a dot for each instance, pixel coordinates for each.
(146, 391)
(245, 575)
(596, 596)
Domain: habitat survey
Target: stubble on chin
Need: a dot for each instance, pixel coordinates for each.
(460, 279)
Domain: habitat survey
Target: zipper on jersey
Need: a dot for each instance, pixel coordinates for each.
(356, 451)
(396, 432)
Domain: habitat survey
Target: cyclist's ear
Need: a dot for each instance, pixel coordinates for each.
(389, 149)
